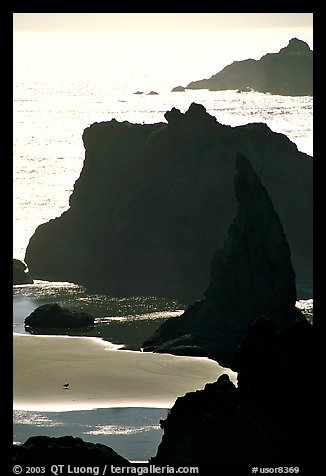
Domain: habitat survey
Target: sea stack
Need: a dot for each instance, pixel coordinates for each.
(251, 276)
(153, 202)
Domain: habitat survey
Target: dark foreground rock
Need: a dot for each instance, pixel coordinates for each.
(251, 275)
(267, 419)
(20, 273)
(53, 315)
(153, 202)
(288, 72)
(63, 450)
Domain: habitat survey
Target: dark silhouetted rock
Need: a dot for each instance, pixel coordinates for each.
(152, 93)
(153, 203)
(267, 419)
(63, 450)
(20, 273)
(271, 365)
(211, 426)
(251, 275)
(53, 315)
(288, 72)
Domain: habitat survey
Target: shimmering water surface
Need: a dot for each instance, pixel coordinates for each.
(134, 433)
(128, 321)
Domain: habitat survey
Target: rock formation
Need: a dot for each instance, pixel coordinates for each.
(251, 275)
(20, 273)
(178, 89)
(288, 72)
(154, 201)
(55, 316)
(267, 419)
(64, 449)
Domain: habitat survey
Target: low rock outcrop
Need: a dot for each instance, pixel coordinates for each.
(154, 201)
(55, 316)
(178, 89)
(267, 419)
(20, 273)
(288, 72)
(251, 275)
(64, 449)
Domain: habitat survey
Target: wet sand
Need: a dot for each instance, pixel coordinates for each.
(100, 376)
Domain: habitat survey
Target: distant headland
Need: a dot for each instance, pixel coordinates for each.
(288, 72)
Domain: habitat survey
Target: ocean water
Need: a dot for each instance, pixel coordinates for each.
(125, 321)
(63, 82)
(134, 433)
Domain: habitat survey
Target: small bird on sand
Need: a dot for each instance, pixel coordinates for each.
(65, 386)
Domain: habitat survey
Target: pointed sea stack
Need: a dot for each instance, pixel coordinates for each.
(251, 276)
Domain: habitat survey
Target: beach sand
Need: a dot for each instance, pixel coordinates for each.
(100, 375)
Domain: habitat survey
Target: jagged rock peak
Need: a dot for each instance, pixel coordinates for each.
(173, 116)
(194, 112)
(296, 46)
